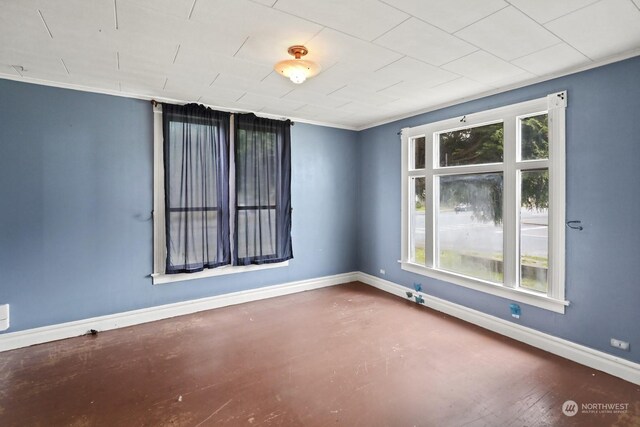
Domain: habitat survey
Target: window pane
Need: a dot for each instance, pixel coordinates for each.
(419, 153)
(194, 237)
(534, 230)
(193, 154)
(256, 168)
(418, 221)
(470, 237)
(473, 146)
(256, 232)
(534, 138)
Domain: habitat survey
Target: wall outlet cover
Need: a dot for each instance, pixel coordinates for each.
(515, 310)
(622, 345)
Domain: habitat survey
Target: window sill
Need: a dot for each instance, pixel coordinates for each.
(160, 278)
(519, 295)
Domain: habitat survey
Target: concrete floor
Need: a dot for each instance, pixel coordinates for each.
(348, 355)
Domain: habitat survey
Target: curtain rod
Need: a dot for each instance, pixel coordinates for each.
(156, 103)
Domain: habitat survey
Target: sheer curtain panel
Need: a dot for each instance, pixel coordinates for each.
(262, 232)
(196, 163)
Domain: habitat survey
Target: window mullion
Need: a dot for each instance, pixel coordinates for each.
(510, 205)
(533, 164)
(405, 210)
(556, 202)
(433, 202)
(232, 189)
(159, 231)
(471, 169)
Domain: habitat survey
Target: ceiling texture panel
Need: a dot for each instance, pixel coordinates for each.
(315, 98)
(544, 11)
(329, 47)
(425, 42)
(508, 34)
(177, 8)
(412, 70)
(449, 15)
(601, 28)
(483, 67)
(380, 59)
(365, 19)
(546, 61)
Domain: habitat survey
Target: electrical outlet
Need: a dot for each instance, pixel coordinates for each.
(382, 272)
(4, 317)
(515, 310)
(622, 345)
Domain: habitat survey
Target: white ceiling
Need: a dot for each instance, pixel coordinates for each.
(380, 59)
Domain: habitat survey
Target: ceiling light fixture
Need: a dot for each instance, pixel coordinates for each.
(297, 70)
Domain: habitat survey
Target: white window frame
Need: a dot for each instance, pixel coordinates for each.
(159, 232)
(554, 105)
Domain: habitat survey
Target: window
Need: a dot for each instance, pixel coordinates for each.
(483, 201)
(263, 182)
(196, 171)
(222, 200)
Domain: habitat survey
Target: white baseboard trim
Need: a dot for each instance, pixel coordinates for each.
(601, 361)
(13, 340)
(595, 359)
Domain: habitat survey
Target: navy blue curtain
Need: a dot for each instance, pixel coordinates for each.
(262, 231)
(196, 170)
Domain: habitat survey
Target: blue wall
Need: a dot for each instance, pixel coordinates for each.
(76, 242)
(603, 187)
(75, 236)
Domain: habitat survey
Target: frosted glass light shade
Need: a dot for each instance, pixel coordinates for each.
(297, 70)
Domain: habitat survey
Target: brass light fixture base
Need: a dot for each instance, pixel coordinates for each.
(297, 51)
